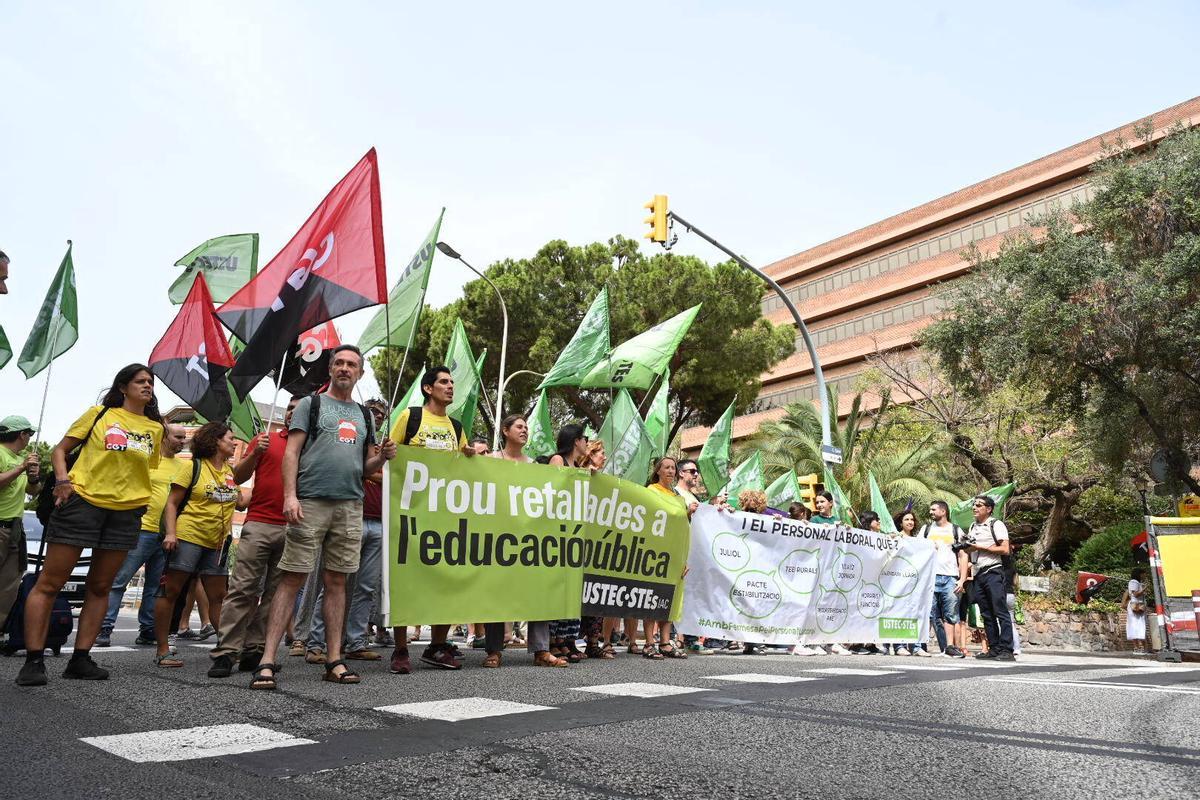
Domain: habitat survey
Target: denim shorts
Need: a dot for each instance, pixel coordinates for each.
(196, 560)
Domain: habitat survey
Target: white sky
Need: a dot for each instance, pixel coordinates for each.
(140, 129)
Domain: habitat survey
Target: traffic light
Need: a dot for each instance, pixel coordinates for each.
(808, 490)
(657, 219)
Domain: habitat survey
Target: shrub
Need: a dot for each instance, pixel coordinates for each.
(1107, 551)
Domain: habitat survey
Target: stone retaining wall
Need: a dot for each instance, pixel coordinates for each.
(1063, 630)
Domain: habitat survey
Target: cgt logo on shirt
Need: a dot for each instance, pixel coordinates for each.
(347, 431)
(117, 438)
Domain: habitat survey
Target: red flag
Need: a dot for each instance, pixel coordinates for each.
(307, 369)
(1087, 584)
(332, 266)
(192, 358)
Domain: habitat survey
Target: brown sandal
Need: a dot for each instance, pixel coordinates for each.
(346, 676)
(491, 660)
(543, 658)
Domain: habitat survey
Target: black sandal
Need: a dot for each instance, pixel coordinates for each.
(347, 676)
(268, 683)
(671, 651)
(651, 652)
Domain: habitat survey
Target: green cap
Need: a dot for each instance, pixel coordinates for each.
(15, 422)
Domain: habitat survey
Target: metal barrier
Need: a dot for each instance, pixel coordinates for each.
(1174, 544)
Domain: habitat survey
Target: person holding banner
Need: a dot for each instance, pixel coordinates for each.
(99, 502)
(330, 448)
(827, 515)
(662, 480)
(514, 435)
(598, 630)
(197, 521)
(571, 451)
(430, 427)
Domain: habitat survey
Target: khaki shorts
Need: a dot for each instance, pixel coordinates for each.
(330, 527)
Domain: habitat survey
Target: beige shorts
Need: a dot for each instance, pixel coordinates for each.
(330, 527)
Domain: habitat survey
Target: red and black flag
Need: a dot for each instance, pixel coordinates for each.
(192, 358)
(1087, 585)
(307, 368)
(332, 266)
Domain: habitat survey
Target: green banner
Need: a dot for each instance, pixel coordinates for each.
(228, 263)
(714, 456)
(962, 514)
(636, 363)
(487, 540)
(586, 348)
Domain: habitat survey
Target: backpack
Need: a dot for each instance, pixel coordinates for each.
(314, 415)
(415, 414)
(45, 500)
(955, 531)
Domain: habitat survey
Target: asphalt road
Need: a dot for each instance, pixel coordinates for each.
(722, 726)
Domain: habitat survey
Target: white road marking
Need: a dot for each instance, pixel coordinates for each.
(461, 708)
(640, 689)
(928, 667)
(759, 677)
(852, 671)
(1133, 687)
(205, 741)
(99, 651)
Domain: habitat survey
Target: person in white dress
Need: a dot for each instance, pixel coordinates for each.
(1135, 611)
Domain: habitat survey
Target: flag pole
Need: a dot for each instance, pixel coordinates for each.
(275, 399)
(412, 332)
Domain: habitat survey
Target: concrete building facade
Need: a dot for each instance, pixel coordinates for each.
(876, 288)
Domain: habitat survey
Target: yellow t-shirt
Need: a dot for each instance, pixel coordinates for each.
(113, 470)
(436, 432)
(668, 492)
(208, 516)
(160, 487)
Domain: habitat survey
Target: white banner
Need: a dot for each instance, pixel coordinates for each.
(772, 580)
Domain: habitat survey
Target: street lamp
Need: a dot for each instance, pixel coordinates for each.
(452, 253)
(1141, 484)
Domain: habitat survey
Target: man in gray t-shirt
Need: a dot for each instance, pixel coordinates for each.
(322, 472)
(331, 463)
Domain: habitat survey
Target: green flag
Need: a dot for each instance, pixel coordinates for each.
(461, 362)
(5, 349)
(658, 417)
(586, 348)
(886, 523)
(962, 514)
(405, 300)
(413, 397)
(636, 362)
(56, 328)
(471, 406)
(228, 263)
(714, 456)
(784, 491)
(747, 475)
(541, 429)
(628, 447)
(842, 508)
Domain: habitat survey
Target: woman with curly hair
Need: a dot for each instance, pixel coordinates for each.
(197, 521)
(99, 501)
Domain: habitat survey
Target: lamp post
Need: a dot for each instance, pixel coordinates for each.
(1141, 484)
(452, 253)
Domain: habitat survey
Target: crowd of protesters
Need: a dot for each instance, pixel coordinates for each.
(309, 558)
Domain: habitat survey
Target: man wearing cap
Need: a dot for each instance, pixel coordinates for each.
(18, 477)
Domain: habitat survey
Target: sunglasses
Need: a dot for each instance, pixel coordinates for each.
(689, 470)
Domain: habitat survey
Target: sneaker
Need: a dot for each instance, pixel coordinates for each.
(919, 653)
(385, 639)
(698, 649)
(953, 652)
(862, 650)
(990, 654)
(144, 639)
(82, 668)
(104, 639)
(33, 673)
(206, 632)
(479, 643)
(804, 650)
(400, 662)
(441, 656)
(222, 667)
(1006, 656)
(249, 661)
(750, 650)
(186, 633)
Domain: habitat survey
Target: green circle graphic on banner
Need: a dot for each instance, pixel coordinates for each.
(731, 552)
(755, 594)
(800, 570)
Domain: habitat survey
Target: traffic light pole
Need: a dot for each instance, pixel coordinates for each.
(826, 437)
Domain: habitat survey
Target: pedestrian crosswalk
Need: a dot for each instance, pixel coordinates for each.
(636, 689)
(461, 708)
(205, 741)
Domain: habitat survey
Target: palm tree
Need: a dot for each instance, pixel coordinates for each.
(868, 445)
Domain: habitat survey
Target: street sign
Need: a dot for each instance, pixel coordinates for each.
(831, 454)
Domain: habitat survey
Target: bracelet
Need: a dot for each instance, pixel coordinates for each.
(61, 481)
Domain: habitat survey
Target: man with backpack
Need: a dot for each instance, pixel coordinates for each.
(149, 550)
(988, 544)
(329, 450)
(951, 561)
(429, 426)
